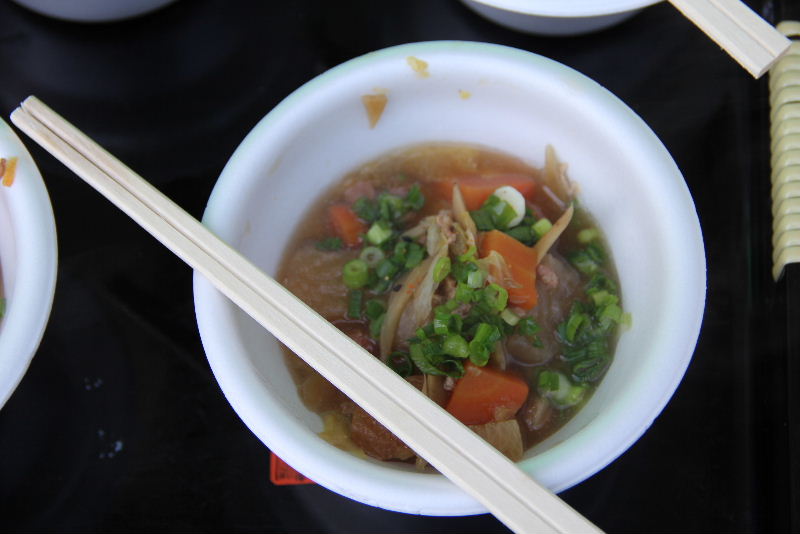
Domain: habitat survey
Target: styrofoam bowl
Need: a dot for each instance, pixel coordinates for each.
(517, 102)
(557, 17)
(93, 10)
(28, 260)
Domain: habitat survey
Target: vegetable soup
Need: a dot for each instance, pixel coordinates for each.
(476, 277)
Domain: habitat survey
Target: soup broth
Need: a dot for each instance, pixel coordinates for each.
(475, 276)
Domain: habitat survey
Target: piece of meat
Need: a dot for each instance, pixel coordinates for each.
(557, 289)
(358, 331)
(536, 413)
(374, 439)
(357, 190)
(547, 275)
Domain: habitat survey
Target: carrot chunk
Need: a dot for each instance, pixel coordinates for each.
(484, 395)
(521, 261)
(477, 188)
(347, 225)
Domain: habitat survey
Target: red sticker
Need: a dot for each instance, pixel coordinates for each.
(283, 474)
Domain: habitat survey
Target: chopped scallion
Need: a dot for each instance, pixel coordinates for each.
(354, 297)
(495, 296)
(415, 256)
(541, 227)
(476, 279)
(379, 232)
(455, 345)
(509, 317)
(587, 235)
(355, 274)
(374, 309)
(371, 256)
(330, 244)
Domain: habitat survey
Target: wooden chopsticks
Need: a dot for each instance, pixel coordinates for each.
(748, 38)
(511, 495)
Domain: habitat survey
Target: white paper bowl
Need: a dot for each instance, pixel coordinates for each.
(557, 17)
(519, 103)
(93, 10)
(28, 259)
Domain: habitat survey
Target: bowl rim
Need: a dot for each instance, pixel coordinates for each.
(228, 371)
(28, 311)
(568, 8)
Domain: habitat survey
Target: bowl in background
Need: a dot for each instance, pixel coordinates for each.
(505, 99)
(28, 259)
(557, 17)
(93, 10)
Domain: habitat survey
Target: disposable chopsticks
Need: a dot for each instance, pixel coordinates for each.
(749, 39)
(458, 453)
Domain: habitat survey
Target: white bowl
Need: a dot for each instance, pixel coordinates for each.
(557, 17)
(28, 259)
(93, 10)
(519, 103)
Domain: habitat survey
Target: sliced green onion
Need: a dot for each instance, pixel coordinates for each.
(590, 370)
(400, 363)
(549, 381)
(495, 296)
(455, 345)
(386, 269)
(479, 353)
(541, 227)
(523, 234)
(527, 327)
(611, 312)
(476, 279)
(483, 220)
(483, 333)
(379, 232)
(509, 317)
(587, 235)
(373, 309)
(441, 269)
(504, 214)
(371, 256)
(464, 293)
(366, 209)
(414, 200)
(603, 298)
(355, 274)
(400, 251)
(415, 256)
(469, 255)
(354, 297)
(582, 261)
(441, 322)
(330, 243)
(573, 324)
(390, 206)
(375, 326)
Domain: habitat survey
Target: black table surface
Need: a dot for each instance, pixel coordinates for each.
(119, 424)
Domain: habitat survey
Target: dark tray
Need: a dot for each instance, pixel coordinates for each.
(119, 424)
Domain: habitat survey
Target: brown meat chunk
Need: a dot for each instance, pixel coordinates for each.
(374, 439)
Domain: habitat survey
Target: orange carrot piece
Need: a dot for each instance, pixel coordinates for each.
(347, 224)
(485, 395)
(521, 261)
(477, 188)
